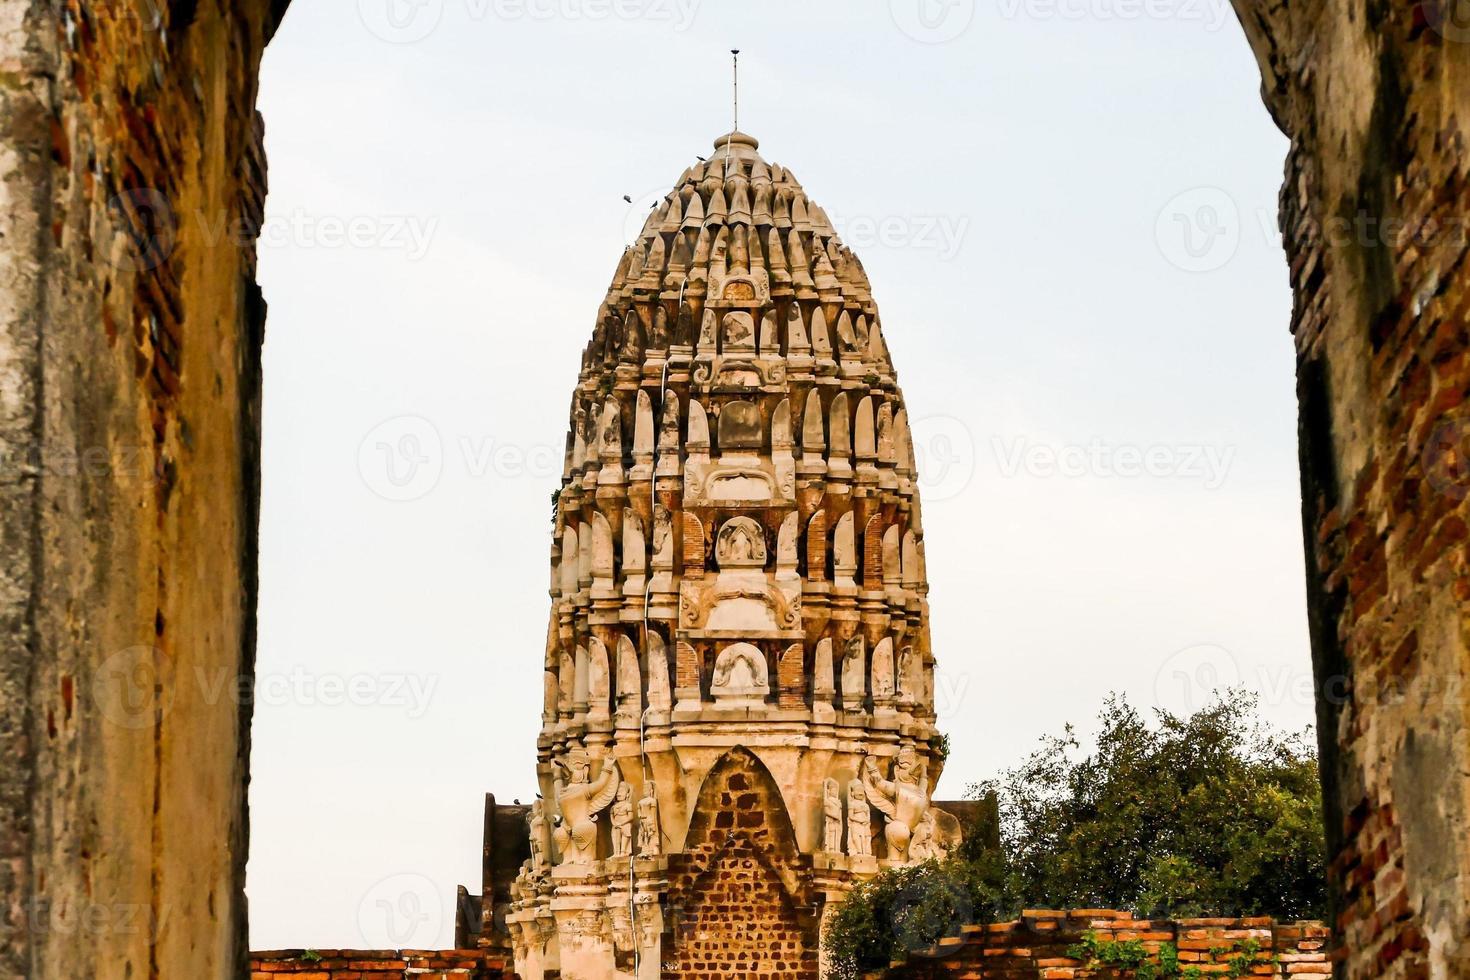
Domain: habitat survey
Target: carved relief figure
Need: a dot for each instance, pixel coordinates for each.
(580, 799)
(739, 331)
(831, 817)
(854, 674)
(740, 670)
(663, 537)
(648, 832)
(658, 672)
(903, 799)
(883, 670)
(909, 680)
(630, 683)
(740, 543)
(924, 844)
(599, 682)
(621, 819)
(539, 860)
(859, 821)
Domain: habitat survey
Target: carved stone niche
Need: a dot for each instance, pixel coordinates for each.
(740, 428)
(741, 543)
(741, 476)
(740, 602)
(737, 333)
(742, 289)
(740, 675)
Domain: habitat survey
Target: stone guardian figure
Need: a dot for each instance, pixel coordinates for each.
(539, 861)
(924, 844)
(621, 818)
(903, 799)
(581, 799)
(648, 832)
(831, 817)
(859, 821)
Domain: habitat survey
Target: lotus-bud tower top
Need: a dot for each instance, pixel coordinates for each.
(739, 694)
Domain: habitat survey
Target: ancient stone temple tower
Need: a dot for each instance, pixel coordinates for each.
(739, 710)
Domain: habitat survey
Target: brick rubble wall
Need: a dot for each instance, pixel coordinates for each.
(380, 964)
(1035, 947)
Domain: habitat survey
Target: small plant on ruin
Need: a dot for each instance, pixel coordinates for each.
(941, 746)
(1240, 964)
(1124, 954)
(311, 956)
(903, 909)
(1132, 956)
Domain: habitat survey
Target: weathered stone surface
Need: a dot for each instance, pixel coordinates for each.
(1375, 214)
(130, 328)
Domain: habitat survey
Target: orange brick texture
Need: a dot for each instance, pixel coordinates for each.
(1375, 218)
(735, 908)
(1035, 947)
(380, 964)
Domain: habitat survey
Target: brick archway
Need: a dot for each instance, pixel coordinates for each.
(737, 906)
(142, 568)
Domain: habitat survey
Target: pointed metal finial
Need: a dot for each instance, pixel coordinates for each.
(735, 126)
(735, 57)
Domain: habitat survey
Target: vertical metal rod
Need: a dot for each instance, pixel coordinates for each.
(736, 53)
(735, 106)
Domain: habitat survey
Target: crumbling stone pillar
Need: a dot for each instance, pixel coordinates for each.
(130, 328)
(1375, 96)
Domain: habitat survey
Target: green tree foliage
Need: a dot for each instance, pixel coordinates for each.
(908, 908)
(1213, 814)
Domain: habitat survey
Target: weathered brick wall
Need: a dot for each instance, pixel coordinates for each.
(1037, 946)
(380, 964)
(130, 328)
(736, 905)
(1375, 96)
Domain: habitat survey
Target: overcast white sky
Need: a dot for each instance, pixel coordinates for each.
(1067, 209)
